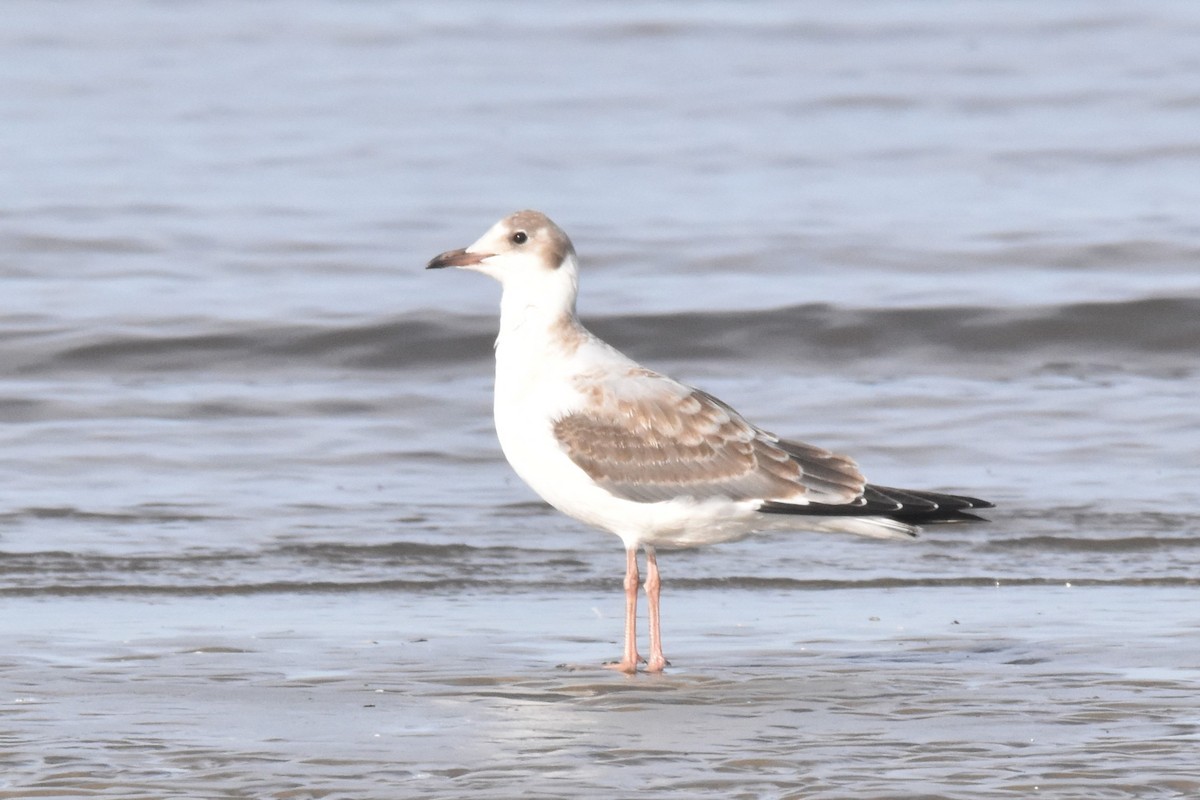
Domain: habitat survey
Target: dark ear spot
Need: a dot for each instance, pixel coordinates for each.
(557, 249)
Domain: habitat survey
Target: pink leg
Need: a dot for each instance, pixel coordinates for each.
(657, 661)
(629, 660)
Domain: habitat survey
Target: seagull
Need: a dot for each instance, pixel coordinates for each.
(631, 451)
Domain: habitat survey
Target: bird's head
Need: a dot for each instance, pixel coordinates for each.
(522, 249)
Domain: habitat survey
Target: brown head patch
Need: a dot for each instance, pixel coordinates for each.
(545, 237)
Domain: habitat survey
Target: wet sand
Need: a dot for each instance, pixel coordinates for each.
(918, 692)
(257, 539)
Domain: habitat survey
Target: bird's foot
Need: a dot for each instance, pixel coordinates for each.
(628, 667)
(656, 664)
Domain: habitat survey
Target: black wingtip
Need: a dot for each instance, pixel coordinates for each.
(911, 506)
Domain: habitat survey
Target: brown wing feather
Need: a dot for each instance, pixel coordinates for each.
(659, 440)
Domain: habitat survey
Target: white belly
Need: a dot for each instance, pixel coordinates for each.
(526, 434)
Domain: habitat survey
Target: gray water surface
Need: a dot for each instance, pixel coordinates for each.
(257, 537)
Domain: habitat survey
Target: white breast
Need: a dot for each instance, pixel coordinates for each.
(535, 390)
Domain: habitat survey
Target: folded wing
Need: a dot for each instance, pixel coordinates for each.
(647, 438)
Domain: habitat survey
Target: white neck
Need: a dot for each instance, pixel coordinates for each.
(537, 321)
(538, 300)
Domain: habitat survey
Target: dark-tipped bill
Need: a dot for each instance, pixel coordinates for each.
(456, 258)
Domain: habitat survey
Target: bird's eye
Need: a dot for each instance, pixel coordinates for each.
(520, 237)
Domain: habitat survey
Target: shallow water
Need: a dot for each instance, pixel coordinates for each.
(256, 536)
(930, 691)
